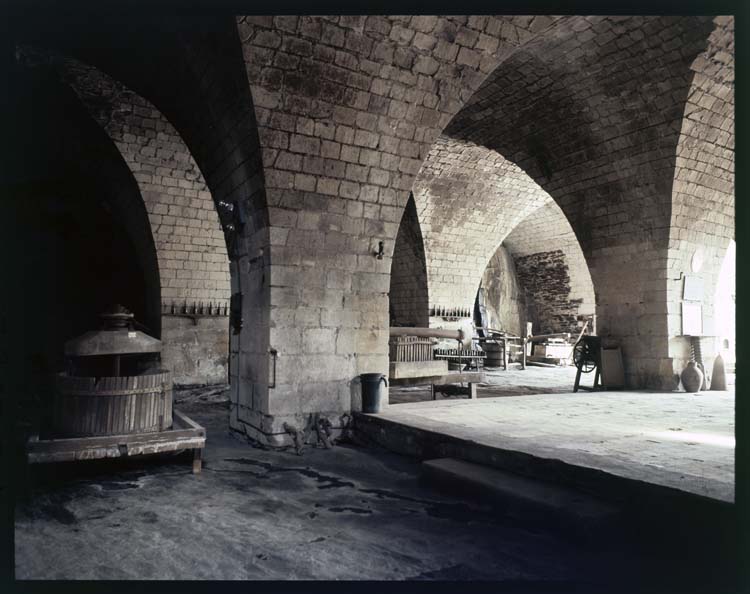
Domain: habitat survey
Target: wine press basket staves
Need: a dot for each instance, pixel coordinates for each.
(88, 406)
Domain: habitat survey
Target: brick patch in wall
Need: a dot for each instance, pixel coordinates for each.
(544, 277)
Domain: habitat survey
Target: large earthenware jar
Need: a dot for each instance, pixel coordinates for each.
(719, 375)
(692, 377)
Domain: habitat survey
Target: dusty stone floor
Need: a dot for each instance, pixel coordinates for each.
(345, 513)
(512, 382)
(679, 440)
(498, 382)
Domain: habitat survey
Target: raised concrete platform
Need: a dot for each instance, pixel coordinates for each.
(614, 444)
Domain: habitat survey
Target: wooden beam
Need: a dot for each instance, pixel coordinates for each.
(189, 436)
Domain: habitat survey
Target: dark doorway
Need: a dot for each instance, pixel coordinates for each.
(79, 228)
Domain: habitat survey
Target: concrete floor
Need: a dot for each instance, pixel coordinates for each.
(346, 513)
(678, 440)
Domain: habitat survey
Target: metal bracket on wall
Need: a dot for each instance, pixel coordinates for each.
(195, 310)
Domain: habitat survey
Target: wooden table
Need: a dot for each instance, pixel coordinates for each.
(505, 343)
(470, 377)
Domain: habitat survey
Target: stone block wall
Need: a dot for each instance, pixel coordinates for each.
(319, 127)
(196, 352)
(552, 271)
(347, 108)
(546, 283)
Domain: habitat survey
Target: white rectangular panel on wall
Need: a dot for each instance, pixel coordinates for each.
(692, 319)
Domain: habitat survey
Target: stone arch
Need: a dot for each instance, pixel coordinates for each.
(408, 294)
(192, 71)
(588, 107)
(342, 144)
(552, 271)
(702, 217)
(191, 250)
(90, 243)
(468, 198)
(592, 114)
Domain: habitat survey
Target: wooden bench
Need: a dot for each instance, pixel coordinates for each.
(413, 362)
(437, 381)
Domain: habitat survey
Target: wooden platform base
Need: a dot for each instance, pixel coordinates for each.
(409, 369)
(185, 434)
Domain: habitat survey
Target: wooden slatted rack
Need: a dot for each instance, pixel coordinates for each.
(470, 356)
(410, 348)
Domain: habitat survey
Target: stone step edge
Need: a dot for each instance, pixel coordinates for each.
(519, 493)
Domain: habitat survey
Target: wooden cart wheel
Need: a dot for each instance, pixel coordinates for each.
(583, 357)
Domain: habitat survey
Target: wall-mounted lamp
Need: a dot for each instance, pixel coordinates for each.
(381, 251)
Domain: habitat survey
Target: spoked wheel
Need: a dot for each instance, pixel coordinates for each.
(584, 357)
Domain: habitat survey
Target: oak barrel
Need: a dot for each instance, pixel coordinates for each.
(90, 406)
(494, 354)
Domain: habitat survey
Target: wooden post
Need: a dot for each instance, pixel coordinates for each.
(472, 391)
(529, 327)
(432, 392)
(197, 460)
(505, 354)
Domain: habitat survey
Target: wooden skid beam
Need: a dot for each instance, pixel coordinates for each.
(189, 435)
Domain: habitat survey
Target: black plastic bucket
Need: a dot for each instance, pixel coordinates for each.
(372, 393)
